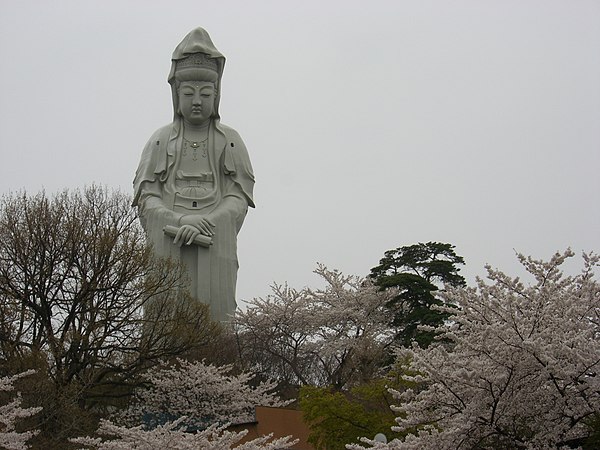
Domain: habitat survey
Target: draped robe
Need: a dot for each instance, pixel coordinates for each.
(212, 270)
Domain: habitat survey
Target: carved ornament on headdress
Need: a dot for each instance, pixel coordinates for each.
(197, 61)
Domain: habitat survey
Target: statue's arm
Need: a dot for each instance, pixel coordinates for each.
(148, 188)
(151, 205)
(234, 205)
(238, 179)
(238, 168)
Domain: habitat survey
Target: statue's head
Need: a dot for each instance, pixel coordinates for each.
(196, 78)
(196, 71)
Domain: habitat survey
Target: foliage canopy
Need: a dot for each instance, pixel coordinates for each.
(415, 273)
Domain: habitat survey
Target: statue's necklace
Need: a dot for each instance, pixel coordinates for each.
(194, 146)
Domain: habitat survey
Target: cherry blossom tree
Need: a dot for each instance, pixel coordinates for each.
(518, 367)
(171, 436)
(333, 336)
(205, 394)
(12, 412)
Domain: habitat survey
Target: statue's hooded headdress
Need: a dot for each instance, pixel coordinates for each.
(196, 54)
(195, 59)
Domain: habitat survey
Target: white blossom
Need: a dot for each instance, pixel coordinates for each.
(331, 336)
(521, 369)
(171, 436)
(205, 394)
(11, 412)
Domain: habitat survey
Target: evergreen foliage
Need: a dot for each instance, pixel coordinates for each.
(415, 273)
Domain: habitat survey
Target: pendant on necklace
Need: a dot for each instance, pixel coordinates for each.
(195, 145)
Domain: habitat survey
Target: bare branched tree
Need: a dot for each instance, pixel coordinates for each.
(81, 291)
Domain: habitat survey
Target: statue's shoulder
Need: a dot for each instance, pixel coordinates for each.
(235, 143)
(230, 133)
(162, 134)
(157, 142)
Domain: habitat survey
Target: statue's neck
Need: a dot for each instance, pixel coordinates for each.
(196, 128)
(196, 133)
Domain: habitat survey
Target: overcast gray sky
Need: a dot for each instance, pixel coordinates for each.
(370, 125)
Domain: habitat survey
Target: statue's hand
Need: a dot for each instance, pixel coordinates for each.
(186, 235)
(203, 224)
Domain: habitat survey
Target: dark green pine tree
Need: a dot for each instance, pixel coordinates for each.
(417, 271)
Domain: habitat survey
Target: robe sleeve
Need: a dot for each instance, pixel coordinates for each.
(149, 165)
(147, 185)
(236, 164)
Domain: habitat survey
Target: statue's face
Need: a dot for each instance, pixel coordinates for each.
(196, 101)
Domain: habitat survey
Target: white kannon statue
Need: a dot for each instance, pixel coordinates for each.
(194, 182)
